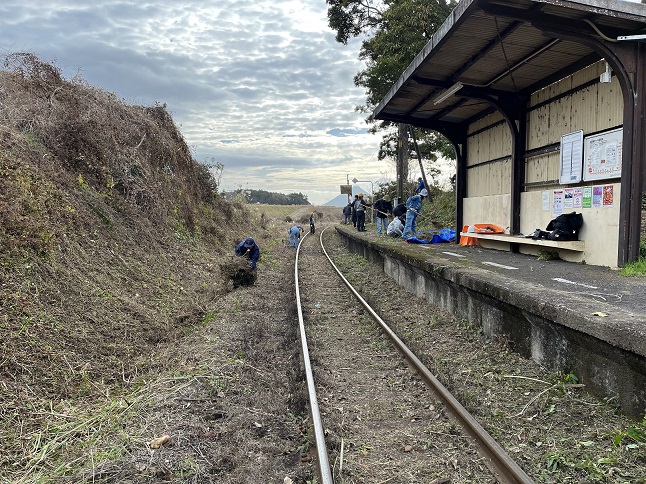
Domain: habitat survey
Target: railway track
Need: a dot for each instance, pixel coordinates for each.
(378, 417)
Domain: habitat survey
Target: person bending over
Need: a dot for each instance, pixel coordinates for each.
(249, 249)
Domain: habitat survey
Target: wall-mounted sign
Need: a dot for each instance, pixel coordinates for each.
(346, 189)
(571, 157)
(603, 155)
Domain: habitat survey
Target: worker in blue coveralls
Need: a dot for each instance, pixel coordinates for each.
(295, 235)
(413, 209)
(248, 248)
(420, 185)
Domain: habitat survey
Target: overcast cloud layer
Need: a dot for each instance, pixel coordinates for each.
(260, 86)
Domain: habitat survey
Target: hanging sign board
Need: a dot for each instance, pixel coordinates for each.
(603, 155)
(571, 157)
(346, 189)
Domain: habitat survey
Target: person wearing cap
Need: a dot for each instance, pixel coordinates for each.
(413, 209)
(295, 235)
(249, 249)
(384, 208)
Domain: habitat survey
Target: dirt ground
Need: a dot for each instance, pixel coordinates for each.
(545, 421)
(382, 423)
(224, 382)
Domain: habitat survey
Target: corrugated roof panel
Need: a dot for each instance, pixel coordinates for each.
(465, 49)
(466, 110)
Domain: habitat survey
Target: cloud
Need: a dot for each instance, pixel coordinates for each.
(258, 85)
(346, 132)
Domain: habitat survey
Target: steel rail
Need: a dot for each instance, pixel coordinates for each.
(319, 435)
(505, 468)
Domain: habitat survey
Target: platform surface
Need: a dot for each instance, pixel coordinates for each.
(597, 300)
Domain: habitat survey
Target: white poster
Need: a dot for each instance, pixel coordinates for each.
(571, 157)
(568, 202)
(546, 201)
(557, 202)
(577, 198)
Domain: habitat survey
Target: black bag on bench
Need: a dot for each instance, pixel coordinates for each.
(564, 227)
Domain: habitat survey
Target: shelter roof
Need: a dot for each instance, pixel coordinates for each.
(497, 48)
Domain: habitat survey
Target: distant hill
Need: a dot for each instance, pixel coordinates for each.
(269, 198)
(342, 200)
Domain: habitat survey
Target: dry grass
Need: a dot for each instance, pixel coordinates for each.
(545, 421)
(110, 240)
(238, 272)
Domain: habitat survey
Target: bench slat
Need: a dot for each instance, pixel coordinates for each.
(576, 245)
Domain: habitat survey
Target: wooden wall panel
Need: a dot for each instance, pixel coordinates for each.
(490, 179)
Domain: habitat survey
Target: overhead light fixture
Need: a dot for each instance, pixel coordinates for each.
(632, 37)
(606, 76)
(448, 93)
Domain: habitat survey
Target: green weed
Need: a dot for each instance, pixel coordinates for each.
(548, 255)
(638, 267)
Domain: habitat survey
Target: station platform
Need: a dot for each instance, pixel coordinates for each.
(565, 316)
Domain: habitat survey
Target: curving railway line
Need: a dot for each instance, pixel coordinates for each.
(378, 414)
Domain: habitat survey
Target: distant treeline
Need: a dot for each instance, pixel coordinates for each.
(269, 198)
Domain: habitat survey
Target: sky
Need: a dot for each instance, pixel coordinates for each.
(260, 86)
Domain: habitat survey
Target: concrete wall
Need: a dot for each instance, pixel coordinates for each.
(600, 229)
(493, 209)
(540, 328)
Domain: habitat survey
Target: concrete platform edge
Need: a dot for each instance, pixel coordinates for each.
(552, 327)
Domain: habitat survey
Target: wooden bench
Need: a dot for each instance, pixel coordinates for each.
(574, 245)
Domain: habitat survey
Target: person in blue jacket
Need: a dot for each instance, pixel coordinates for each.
(248, 248)
(413, 209)
(295, 235)
(420, 185)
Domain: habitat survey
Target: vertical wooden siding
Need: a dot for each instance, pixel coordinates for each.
(490, 179)
(592, 109)
(491, 144)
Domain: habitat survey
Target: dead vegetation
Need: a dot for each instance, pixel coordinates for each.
(546, 421)
(238, 272)
(111, 236)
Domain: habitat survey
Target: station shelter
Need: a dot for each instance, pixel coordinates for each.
(544, 102)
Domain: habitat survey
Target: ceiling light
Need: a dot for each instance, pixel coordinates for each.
(448, 93)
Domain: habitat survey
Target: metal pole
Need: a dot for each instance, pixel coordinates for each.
(400, 162)
(419, 157)
(372, 200)
(347, 182)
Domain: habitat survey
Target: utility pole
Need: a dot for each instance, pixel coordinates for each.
(402, 159)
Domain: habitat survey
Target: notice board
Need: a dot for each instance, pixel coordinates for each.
(602, 155)
(571, 157)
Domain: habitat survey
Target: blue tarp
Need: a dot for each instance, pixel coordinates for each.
(415, 240)
(444, 235)
(437, 239)
(448, 235)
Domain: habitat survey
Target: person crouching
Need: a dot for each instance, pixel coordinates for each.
(249, 249)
